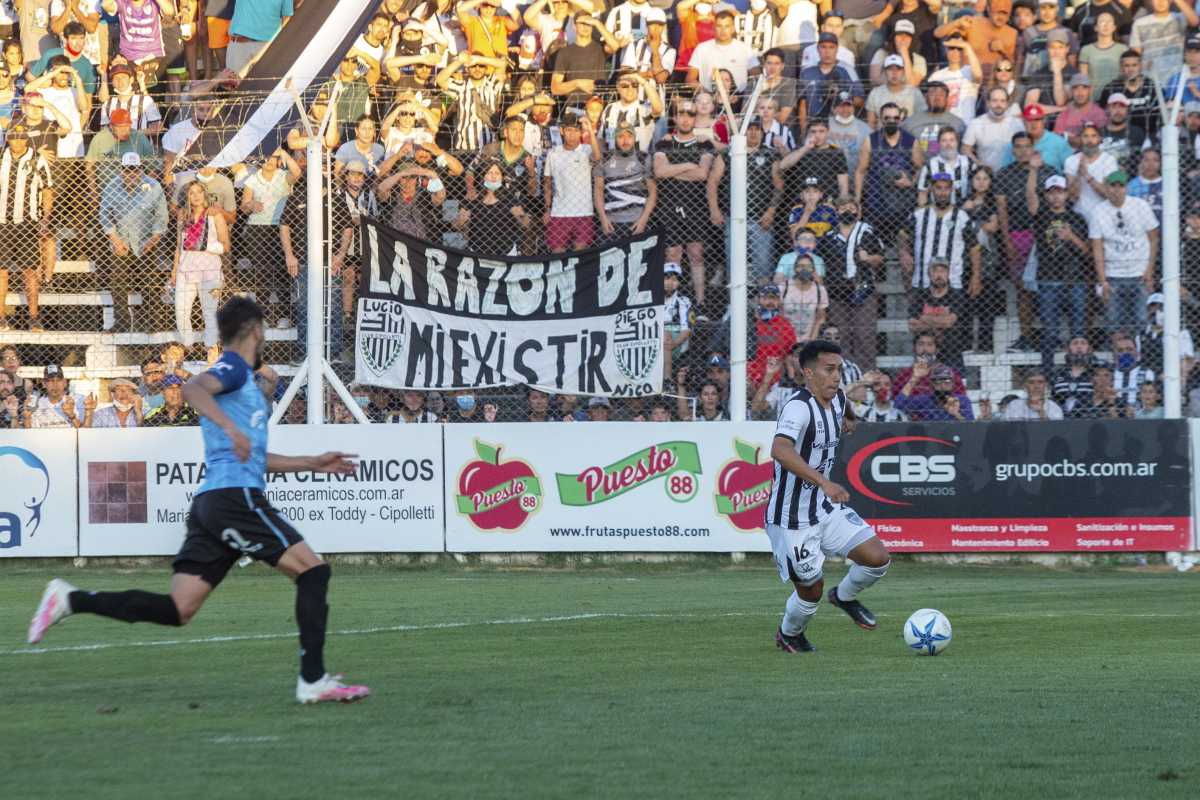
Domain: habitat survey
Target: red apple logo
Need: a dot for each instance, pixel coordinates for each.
(494, 495)
(744, 486)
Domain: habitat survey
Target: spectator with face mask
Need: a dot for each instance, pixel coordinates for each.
(774, 333)
(872, 398)
(1149, 342)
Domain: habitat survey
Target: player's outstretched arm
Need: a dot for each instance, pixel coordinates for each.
(199, 392)
(783, 450)
(333, 462)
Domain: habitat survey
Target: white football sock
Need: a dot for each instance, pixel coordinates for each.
(796, 615)
(859, 578)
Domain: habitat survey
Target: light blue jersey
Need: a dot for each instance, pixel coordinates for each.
(243, 402)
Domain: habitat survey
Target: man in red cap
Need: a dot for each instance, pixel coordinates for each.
(1053, 148)
(112, 142)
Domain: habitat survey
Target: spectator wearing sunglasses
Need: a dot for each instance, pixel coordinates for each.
(1124, 234)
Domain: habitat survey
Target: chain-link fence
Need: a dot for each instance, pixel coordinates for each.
(954, 260)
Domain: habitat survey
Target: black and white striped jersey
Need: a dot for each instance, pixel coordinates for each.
(816, 431)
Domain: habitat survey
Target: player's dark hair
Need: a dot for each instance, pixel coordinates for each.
(1019, 135)
(1131, 54)
(815, 349)
(236, 317)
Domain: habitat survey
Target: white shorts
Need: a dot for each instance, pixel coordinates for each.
(799, 554)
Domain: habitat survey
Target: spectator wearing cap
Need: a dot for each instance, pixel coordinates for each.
(885, 178)
(846, 57)
(773, 332)
(1087, 170)
(599, 409)
(961, 77)
(117, 138)
(581, 65)
(677, 318)
(1080, 111)
(476, 94)
(625, 192)
(989, 136)
(1064, 264)
(1149, 341)
(717, 372)
(948, 161)
(894, 89)
(1052, 147)
(1049, 85)
(1160, 36)
(942, 311)
(567, 189)
(1125, 235)
(255, 23)
(126, 408)
(174, 412)
(682, 163)
(1119, 137)
(74, 43)
(898, 50)
(846, 131)
(1036, 405)
(822, 83)
(1100, 58)
(942, 404)
(989, 34)
(723, 51)
(1139, 90)
(133, 215)
(26, 199)
(1033, 55)
(56, 407)
(942, 230)
(764, 192)
(630, 109)
(117, 91)
(1148, 183)
(928, 125)
(151, 385)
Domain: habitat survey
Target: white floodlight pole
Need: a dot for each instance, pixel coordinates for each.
(1172, 379)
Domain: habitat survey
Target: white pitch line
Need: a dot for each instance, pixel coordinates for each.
(433, 626)
(438, 626)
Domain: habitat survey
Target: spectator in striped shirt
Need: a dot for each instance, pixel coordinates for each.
(871, 398)
(476, 98)
(26, 196)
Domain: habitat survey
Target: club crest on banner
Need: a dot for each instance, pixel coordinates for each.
(381, 333)
(637, 341)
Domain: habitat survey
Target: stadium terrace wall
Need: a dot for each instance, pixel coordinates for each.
(682, 487)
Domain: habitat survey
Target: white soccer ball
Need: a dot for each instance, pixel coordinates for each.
(927, 631)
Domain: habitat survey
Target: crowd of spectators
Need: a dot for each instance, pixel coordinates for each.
(983, 152)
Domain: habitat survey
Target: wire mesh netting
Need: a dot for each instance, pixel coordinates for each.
(978, 247)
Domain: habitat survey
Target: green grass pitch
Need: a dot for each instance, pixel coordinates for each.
(1057, 684)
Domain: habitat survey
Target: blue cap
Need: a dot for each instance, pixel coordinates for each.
(171, 380)
(943, 176)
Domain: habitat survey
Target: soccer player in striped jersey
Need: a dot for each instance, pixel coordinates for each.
(806, 515)
(230, 515)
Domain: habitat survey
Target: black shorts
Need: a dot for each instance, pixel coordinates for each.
(20, 246)
(225, 524)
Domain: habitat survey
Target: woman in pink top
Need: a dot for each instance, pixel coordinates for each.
(203, 238)
(141, 26)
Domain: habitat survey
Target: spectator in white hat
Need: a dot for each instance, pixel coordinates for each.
(895, 89)
(133, 215)
(126, 408)
(900, 44)
(1120, 138)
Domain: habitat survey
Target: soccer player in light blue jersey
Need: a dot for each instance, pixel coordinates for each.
(230, 516)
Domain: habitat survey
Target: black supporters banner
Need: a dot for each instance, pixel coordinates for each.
(432, 317)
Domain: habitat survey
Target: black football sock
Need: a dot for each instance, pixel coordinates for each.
(312, 612)
(133, 605)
